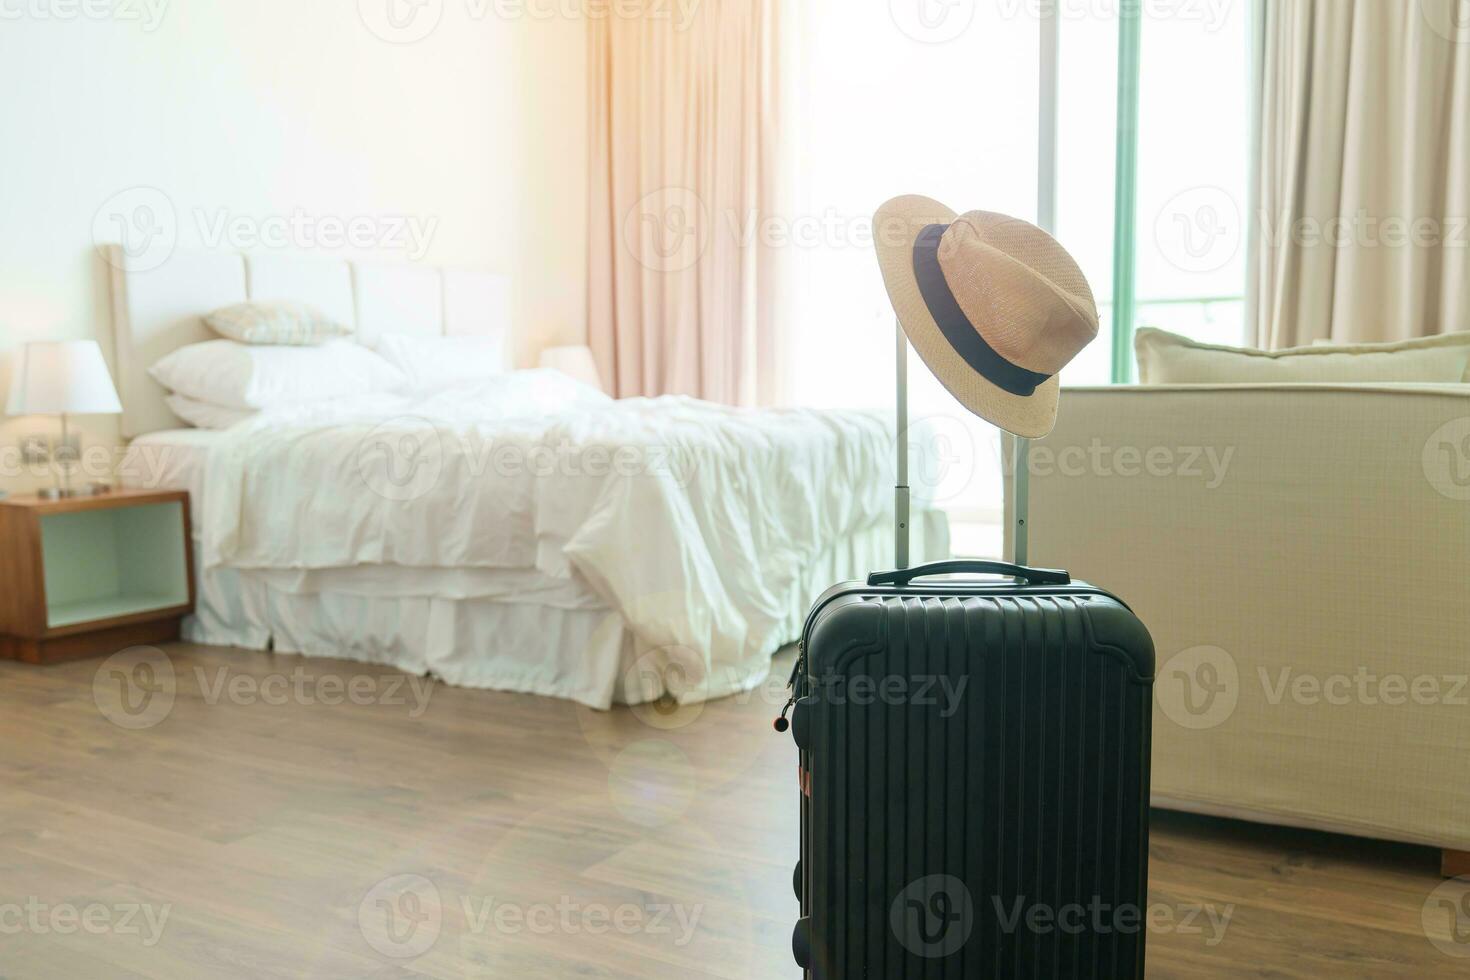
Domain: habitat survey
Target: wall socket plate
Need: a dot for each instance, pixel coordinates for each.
(35, 449)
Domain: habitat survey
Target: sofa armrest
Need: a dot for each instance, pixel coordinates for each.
(1300, 554)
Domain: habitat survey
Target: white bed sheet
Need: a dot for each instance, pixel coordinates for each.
(178, 459)
(539, 604)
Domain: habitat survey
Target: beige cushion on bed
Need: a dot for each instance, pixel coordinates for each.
(275, 322)
(1168, 359)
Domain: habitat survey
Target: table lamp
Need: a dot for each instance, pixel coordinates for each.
(67, 377)
(574, 361)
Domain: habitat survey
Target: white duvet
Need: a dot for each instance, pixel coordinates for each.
(692, 520)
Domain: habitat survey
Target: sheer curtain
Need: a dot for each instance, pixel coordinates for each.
(1364, 171)
(689, 158)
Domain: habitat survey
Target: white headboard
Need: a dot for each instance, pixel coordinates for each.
(158, 310)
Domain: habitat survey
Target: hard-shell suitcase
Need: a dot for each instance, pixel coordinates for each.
(974, 772)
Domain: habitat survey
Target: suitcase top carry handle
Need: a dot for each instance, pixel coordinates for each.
(1031, 576)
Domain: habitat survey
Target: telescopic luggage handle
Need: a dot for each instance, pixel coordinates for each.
(967, 566)
(1020, 475)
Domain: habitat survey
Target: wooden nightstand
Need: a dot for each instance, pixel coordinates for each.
(93, 575)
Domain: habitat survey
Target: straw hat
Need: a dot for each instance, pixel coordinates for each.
(992, 303)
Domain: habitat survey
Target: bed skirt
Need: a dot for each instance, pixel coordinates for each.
(566, 645)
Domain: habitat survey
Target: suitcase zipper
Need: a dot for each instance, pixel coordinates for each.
(782, 724)
(796, 667)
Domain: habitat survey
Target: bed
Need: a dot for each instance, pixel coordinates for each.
(520, 533)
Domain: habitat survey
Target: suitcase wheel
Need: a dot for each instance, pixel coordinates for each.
(801, 943)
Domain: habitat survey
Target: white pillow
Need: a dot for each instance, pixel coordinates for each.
(250, 376)
(430, 363)
(275, 322)
(1168, 359)
(204, 415)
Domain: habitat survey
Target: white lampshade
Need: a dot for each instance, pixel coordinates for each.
(575, 361)
(67, 377)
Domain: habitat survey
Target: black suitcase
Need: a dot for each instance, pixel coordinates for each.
(974, 772)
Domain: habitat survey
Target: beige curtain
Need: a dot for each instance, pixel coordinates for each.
(687, 189)
(1364, 171)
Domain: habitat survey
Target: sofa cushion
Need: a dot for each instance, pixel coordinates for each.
(1168, 359)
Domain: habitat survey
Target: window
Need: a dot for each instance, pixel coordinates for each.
(896, 104)
(1193, 166)
(1087, 120)
(887, 112)
(1185, 231)
(943, 99)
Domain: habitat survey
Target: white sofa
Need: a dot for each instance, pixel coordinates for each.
(1301, 555)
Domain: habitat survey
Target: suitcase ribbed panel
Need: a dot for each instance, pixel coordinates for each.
(1030, 787)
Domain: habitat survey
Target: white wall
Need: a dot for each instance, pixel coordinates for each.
(261, 110)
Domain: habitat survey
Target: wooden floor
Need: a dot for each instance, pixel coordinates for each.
(281, 817)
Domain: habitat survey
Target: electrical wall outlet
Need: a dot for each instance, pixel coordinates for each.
(35, 450)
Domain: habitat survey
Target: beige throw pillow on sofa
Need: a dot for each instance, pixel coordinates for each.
(1168, 359)
(276, 322)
